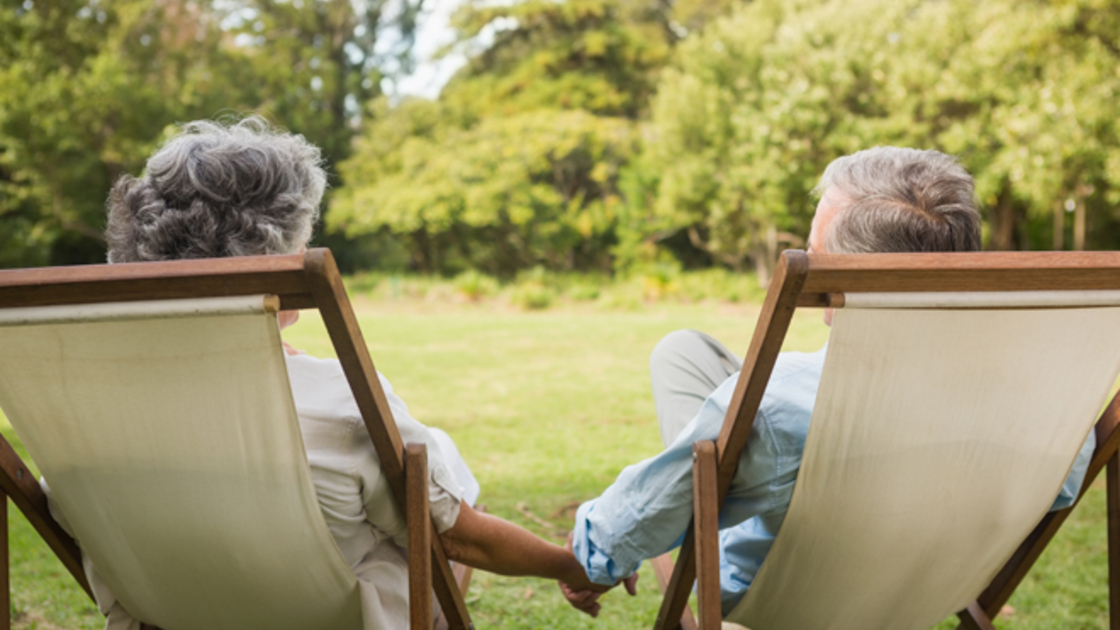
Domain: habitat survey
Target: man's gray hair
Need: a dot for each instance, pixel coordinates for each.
(900, 200)
(217, 190)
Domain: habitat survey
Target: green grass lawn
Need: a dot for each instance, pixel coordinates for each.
(547, 407)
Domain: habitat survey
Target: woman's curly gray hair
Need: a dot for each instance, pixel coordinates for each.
(217, 190)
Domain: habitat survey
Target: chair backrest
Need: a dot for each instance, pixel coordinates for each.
(944, 427)
(299, 281)
(169, 438)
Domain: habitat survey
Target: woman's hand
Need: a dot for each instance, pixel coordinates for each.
(583, 594)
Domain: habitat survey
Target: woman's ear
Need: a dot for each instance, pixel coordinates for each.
(287, 318)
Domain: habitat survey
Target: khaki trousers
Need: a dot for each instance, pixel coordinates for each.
(685, 367)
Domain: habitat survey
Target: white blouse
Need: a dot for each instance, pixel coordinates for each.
(355, 498)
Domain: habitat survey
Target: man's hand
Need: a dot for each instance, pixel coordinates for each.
(583, 594)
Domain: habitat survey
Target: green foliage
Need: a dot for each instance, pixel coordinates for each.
(539, 289)
(504, 194)
(313, 63)
(89, 88)
(599, 56)
(1029, 102)
(691, 15)
(86, 92)
(566, 142)
(518, 163)
(531, 296)
(474, 285)
(759, 103)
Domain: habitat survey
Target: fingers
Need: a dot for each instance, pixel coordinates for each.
(583, 601)
(631, 584)
(578, 597)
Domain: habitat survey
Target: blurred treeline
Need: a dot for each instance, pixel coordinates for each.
(586, 135)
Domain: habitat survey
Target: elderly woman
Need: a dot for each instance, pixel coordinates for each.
(245, 189)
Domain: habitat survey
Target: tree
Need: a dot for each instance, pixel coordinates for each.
(86, 91)
(1030, 105)
(599, 56)
(517, 164)
(757, 105)
(537, 188)
(744, 123)
(315, 63)
(88, 88)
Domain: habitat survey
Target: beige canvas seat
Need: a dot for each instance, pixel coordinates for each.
(167, 431)
(956, 394)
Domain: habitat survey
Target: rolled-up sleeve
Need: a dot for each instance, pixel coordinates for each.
(647, 510)
(643, 514)
(444, 490)
(1072, 486)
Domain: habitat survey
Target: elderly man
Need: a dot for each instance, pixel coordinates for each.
(885, 199)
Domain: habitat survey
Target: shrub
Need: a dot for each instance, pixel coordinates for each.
(362, 282)
(532, 296)
(475, 285)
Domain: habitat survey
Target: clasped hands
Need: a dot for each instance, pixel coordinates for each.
(583, 594)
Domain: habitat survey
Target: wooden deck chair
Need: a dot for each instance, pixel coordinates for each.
(957, 391)
(154, 398)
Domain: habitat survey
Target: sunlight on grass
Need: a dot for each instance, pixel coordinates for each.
(548, 407)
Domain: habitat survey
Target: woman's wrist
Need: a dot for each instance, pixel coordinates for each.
(575, 577)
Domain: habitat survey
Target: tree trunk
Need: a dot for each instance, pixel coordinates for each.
(1059, 227)
(762, 270)
(1004, 221)
(421, 246)
(1079, 226)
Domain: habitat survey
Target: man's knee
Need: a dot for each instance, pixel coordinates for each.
(673, 346)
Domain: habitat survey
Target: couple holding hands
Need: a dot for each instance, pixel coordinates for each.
(218, 190)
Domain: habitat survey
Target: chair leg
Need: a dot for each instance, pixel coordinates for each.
(419, 521)
(670, 615)
(463, 575)
(1112, 474)
(974, 618)
(5, 585)
(706, 514)
(663, 571)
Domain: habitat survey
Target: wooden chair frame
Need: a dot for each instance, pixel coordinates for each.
(301, 281)
(820, 280)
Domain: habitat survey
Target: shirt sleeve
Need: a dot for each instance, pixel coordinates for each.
(444, 490)
(647, 510)
(1072, 487)
(381, 510)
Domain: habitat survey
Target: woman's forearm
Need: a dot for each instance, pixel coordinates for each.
(492, 544)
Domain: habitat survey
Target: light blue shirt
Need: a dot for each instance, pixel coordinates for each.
(646, 511)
